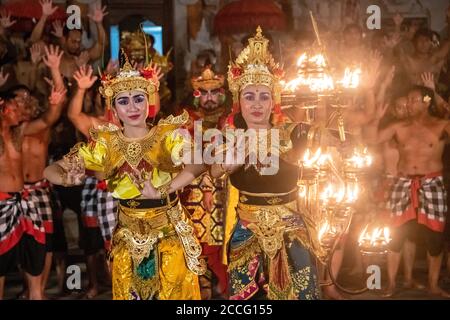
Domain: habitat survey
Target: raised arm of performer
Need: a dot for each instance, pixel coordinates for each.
(372, 133)
(5, 23)
(49, 118)
(52, 60)
(81, 120)
(47, 11)
(36, 52)
(442, 105)
(97, 50)
(368, 82)
(384, 86)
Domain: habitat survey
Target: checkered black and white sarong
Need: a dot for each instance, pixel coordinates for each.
(107, 217)
(422, 198)
(99, 208)
(39, 194)
(89, 203)
(18, 216)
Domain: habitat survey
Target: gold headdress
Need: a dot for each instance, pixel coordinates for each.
(162, 61)
(136, 47)
(129, 79)
(208, 80)
(255, 65)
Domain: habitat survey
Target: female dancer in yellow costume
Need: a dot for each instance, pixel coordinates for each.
(154, 253)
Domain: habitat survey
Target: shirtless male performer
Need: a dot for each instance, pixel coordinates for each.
(418, 198)
(35, 147)
(22, 234)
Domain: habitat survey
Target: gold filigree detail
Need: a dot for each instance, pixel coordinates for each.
(73, 161)
(94, 132)
(132, 204)
(139, 245)
(192, 248)
(182, 119)
(269, 228)
(274, 201)
(285, 131)
(146, 289)
(133, 151)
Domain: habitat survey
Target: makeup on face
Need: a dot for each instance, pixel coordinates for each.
(131, 106)
(256, 104)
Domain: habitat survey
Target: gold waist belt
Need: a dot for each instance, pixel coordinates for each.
(267, 223)
(141, 229)
(142, 221)
(253, 213)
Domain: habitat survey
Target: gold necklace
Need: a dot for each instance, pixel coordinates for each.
(134, 149)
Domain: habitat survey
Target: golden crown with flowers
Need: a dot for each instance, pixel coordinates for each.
(129, 79)
(255, 65)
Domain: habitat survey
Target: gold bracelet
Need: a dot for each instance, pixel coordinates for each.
(163, 190)
(206, 189)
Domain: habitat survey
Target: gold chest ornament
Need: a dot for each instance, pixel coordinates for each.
(133, 151)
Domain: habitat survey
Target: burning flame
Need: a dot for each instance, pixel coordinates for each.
(323, 159)
(327, 232)
(309, 161)
(302, 190)
(317, 60)
(352, 193)
(319, 83)
(360, 160)
(330, 194)
(322, 83)
(311, 74)
(379, 237)
(301, 60)
(351, 78)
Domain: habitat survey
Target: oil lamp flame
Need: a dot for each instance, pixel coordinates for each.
(375, 240)
(351, 78)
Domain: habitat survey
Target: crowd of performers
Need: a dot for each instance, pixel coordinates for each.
(176, 229)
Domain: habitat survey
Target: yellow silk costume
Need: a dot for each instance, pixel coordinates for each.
(154, 251)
